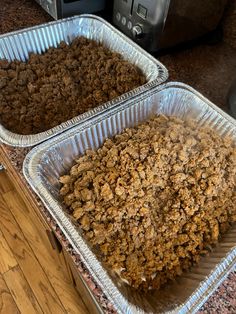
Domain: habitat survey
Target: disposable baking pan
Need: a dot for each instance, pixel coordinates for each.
(18, 45)
(46, 163)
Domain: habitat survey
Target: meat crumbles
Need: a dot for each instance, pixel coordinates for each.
(62, 83)
(154, 198)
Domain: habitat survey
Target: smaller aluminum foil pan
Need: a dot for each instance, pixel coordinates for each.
(46, 163)
(18, 45)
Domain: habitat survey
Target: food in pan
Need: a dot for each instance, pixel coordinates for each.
(154, 198)
(62, 83)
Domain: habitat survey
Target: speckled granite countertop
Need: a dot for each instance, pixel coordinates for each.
(208, 68)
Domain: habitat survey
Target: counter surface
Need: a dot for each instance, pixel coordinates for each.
(206, 67)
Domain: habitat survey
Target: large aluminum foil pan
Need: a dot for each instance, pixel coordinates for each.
(46, 163)
(18, 45)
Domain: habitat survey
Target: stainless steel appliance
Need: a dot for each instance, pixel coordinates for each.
(63, 8)
(156, 24)
(232, 99)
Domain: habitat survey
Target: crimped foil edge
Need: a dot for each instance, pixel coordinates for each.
(18, 140)
(207, 286)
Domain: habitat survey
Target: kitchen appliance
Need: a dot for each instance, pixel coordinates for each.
(232, 99)
(157, 24)
(63, 8)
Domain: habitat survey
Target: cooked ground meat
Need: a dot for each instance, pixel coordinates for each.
(62, 83)
(154, 198)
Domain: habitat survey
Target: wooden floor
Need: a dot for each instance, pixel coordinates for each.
(31, 278)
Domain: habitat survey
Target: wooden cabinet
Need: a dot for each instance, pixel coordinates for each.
(49, 243)
(81, 287)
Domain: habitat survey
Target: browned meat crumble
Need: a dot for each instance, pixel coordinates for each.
(62, 83)
(154, 198)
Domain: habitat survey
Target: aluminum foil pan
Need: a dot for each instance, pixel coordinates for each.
(46, 163)
(17, 45)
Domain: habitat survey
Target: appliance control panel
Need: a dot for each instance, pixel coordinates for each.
(124, 16)
(140, 19)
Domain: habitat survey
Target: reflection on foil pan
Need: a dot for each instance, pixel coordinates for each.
(18, 45)
(45, 164)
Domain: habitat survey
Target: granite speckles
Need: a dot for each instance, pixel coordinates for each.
(230, 24)
(224, 299)
(17, 156)
(208, 68)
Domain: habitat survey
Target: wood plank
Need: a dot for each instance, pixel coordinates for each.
(80, 285)
(26, 259)
(7, 260)
(49, 259)
(28, 197)
(21, 291)
(6, 184)
(7, 303)
(20, 186)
